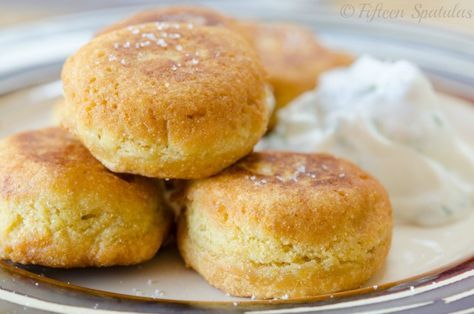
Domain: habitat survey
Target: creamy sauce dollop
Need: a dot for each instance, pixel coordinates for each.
(386, 118)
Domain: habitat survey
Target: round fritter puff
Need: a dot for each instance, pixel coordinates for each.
(292, 57)
(59, 207)
(195, 15)
(166, 100)
(286, 225)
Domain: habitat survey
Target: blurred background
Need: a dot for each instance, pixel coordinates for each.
(387, 29)
(450, 14)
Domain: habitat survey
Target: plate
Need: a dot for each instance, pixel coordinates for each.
(426, 268)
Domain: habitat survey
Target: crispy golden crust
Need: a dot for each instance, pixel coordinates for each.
(292, 57)
(166, 100)
(59, 207)
(195, 15)
(279, 224)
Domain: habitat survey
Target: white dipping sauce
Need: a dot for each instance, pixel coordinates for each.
(386, 118)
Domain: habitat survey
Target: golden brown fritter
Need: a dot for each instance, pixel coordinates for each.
(59, 207)
(166, 100)
(286, 224)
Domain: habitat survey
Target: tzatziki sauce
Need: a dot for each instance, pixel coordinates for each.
(386, 118)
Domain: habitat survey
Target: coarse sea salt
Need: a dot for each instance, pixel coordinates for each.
(174, 35)
(134, 30)
(149, 36)
(161, 42)
(256, 181)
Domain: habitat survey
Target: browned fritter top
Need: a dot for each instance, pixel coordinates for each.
(34, 160)
(302, 197)
(184, 14)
